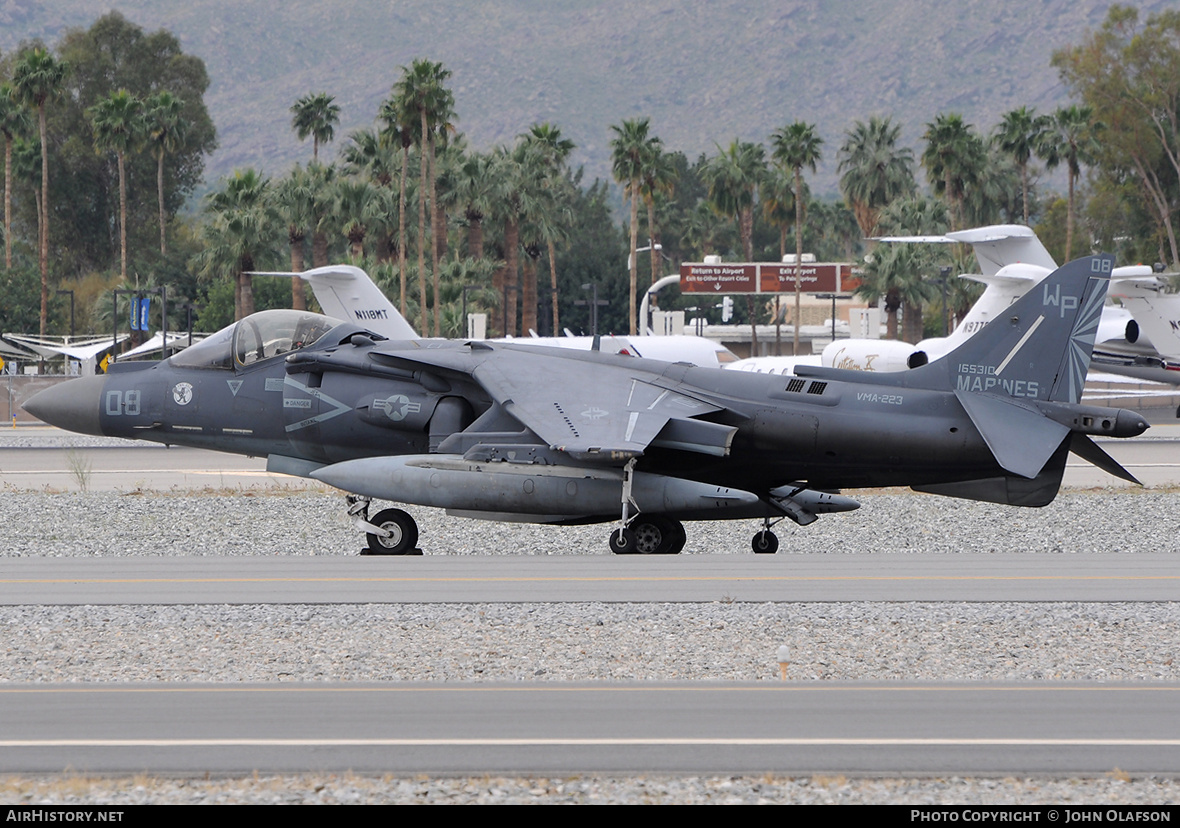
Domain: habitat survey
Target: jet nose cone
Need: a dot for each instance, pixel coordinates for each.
(72, 405)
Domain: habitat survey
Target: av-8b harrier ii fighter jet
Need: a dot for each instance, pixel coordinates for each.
(511, 432)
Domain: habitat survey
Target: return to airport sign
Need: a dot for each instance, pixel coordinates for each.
(814, 277)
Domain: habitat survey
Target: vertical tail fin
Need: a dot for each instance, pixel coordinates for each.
(346, 292)
(1040, 348)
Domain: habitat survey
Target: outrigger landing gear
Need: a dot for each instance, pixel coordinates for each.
(655, 535)
(390, 532)
(765, 542)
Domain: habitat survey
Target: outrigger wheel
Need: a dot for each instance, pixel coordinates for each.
(622, 541)
(765, 543)
(403, 533)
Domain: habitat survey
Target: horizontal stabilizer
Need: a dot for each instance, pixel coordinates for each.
(1021, 438)
(1091, 452)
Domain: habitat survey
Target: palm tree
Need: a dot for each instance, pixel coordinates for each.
(118, 124)
(477, 187)
(733, 178)
(778, 208)
(14, 123)
(1070, 139)
(916, 216)
(521, 173)
(166, 131)
(317, 116)
(1018, 135)
(294, 200)
(371, 155)
(874, 170)
(421, 90)
(631, 150)
(323, 183)
(240, 229)
(954, 157)
(358, 207)
(796, 146)
(657, 181)
(555, 151)
(37, 80)
(893, 273)
(398, 132)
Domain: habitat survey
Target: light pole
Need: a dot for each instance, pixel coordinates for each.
(594, 302)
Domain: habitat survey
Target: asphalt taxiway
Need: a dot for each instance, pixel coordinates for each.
(1142, 576)
(455, 728)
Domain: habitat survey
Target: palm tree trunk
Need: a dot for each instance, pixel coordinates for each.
(798, 255)
(634, 245)
(423, 312)
(475, 238)
(122, 217)
(528, 294)
(434, 247)
(44, 256)
(160, 200)
(247, 285)
(1069, 222)
(7, 203)
(511, 274)
(319, 248)
(401, 231)
(553, 285)
(1024, 189)
(295, 238)
(651, 230)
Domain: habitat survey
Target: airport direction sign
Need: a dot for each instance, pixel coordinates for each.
(815, 277)
(718, 278)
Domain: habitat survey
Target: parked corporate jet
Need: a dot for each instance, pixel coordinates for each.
(504, 431)
(347, 292)
(1012, 260)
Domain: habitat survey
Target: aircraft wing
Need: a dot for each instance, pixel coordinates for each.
(592, 407)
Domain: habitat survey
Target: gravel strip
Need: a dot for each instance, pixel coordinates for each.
(860, 641)
(349, 789)
(298, 522)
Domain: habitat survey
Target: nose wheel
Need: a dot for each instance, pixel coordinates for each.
(401, 533)
(389, 532)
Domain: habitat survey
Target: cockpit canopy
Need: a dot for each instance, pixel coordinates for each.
(258, 337)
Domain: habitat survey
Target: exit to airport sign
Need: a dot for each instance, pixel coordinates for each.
(814, 277)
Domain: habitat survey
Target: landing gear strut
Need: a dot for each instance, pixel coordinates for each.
(656, 535)
(390, 532)
(765, 542)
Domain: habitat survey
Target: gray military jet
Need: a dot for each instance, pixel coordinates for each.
(510, 432)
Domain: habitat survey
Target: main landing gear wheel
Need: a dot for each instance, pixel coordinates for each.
(765, 543)
(403, 533)
(649, 536)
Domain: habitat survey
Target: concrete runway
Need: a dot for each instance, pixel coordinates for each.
(939, 730)
(608, 578)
